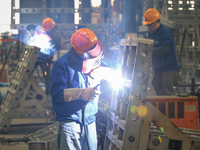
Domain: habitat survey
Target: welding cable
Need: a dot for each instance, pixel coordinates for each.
(83, 116)
(14, 141)
(40, 76)
(84, 125)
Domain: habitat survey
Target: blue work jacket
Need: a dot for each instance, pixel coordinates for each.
(163, 37)
(66, 73)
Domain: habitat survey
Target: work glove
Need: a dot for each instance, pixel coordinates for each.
(87, 94)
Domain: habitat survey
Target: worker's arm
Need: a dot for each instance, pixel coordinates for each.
(163, 44)
(86, 94)
(161, 50)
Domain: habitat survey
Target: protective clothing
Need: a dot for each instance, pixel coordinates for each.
(86, 94)
(48, 24)
(76, 133)
(45, 43)
(48, 44)
(73, 97)
(68, 81)
(162, 59)
(150, 16)
(85, 43)
(84, 40)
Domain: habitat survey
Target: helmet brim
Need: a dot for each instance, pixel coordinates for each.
(146, 22)
(43, 29)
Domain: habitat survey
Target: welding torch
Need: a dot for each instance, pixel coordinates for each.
(95, 87)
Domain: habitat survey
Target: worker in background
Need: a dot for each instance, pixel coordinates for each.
(75, 92)
(164, 57)
(46, 38)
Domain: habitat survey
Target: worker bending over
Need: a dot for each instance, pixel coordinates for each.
(75, 92)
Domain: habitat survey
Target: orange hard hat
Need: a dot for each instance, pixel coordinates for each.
(84, 40)
(48, 24)
(150, 16)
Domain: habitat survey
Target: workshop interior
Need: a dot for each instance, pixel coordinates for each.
(131, 114)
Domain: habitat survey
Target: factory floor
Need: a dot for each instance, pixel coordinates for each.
(19, 132)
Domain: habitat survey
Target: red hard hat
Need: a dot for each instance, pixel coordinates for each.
(48, 24)
(150, 16)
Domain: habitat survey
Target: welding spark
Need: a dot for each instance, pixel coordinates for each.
(114, 78)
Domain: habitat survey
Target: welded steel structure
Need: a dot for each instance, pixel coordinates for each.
(126, 129)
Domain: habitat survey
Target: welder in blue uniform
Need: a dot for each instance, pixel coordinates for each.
(75, 92)
(46, 38)
(164, 59)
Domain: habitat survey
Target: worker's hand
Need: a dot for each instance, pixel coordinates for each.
(89, 94)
